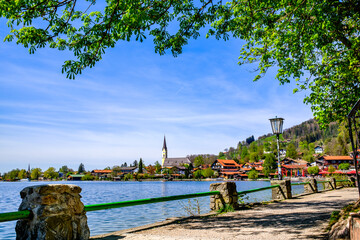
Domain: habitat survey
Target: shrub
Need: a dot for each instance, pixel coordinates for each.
(128, 176)
(253, 174)
(313, 170)
(198, 174)
(344, 166)
(87, 177)
(331, 169)
(207, 172)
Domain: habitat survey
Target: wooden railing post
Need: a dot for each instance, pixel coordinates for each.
(56, 213)
(311, 187)
(228, 196)
(282, 192)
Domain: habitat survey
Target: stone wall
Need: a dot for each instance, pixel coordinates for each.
(57, 213)
(331, 185)
(282, 192)
(228, 196)
(311, 187)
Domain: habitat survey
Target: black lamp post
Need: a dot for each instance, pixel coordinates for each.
(277, 125)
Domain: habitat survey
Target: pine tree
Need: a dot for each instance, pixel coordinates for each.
(141, 166)
(81, 168)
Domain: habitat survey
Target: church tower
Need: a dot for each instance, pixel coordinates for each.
(164, 152)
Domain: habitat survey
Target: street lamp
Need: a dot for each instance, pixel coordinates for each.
(277, 125)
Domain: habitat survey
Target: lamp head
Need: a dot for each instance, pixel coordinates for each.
(277, 125)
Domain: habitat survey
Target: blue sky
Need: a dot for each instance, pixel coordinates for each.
(120, 110)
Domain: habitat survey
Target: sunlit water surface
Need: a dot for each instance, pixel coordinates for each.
(111, 220)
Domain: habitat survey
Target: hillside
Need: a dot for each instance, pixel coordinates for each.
(299, 142)
(308, 131)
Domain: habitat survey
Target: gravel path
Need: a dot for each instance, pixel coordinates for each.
(304, 217)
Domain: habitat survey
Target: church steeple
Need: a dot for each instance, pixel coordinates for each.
(164, 152)
(164, 145)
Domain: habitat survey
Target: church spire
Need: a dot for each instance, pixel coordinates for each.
(164, 152)
(164, 145)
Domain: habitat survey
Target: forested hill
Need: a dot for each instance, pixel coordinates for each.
(301, 138)
(308, 131)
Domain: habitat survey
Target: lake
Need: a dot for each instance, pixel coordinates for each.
(111, 220)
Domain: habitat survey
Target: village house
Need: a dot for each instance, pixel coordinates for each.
(282, 152)
(101, 174)
(335, 161)
(294, 170)
(126, 170)
(318, 150)
(226, 168)
(247, 167)
(294, 167)
(75, 177)
(318, 163)
(176, 164)
(290, 161)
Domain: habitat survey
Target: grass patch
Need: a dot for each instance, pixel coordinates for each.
(343, 214)
(226, 208)
(335, 216)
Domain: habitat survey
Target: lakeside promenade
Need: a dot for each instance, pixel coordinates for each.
(303, 217)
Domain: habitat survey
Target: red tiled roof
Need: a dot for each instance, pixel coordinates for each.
(245, 169)
(230, 173)
(294, 166)
(343, 158)
(228, 163)
(102, 171)
(228, 170)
